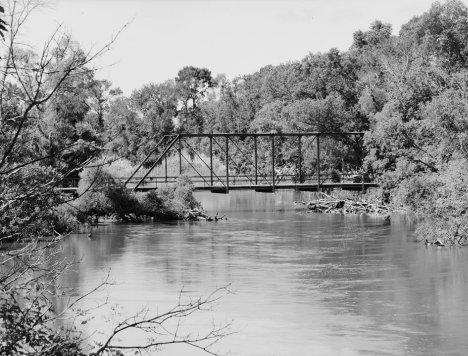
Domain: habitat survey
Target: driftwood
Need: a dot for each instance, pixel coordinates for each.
(198, 215)
(345, 206)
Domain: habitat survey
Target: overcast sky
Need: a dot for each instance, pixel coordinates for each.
(231, 37)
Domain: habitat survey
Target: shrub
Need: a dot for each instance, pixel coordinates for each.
(27, 199)
(124, 205)
(109, 197)
(441, 197)
(183, 194)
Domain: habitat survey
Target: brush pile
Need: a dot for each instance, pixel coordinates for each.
(345, 206)
(198, 215)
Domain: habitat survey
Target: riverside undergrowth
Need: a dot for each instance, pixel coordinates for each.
(103, 195)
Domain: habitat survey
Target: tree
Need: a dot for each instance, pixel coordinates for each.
(378, 34)
(282, 82)
(123, 130)
(158, 329)
(440, 35)
(156, 105)
(417, 142)
(192, 84)
(100, 96)
(31, 87)
(227, 111)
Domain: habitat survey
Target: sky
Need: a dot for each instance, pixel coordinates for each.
(231, 37)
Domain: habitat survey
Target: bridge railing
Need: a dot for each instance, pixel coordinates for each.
(202, 181)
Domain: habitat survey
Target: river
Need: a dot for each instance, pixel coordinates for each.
(304, 284)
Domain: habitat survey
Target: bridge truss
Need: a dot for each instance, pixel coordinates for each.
(264, 162)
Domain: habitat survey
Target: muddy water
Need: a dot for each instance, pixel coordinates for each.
(304, 284)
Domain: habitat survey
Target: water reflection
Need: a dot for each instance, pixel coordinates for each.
(305, 284)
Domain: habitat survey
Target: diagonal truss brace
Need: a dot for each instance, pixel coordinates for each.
(161, 156)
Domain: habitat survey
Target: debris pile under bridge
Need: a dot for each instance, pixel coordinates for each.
(345, 206)
(197, 215)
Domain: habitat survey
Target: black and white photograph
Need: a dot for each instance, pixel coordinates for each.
(233, 177)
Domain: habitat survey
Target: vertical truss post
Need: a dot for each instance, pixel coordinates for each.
(180, 156)
(300, 160)
(318, 162)
(227, 164)
(362, 163)
(211, 159)
(256, 160)
(165, 168)
(273, 162)
(342, 165)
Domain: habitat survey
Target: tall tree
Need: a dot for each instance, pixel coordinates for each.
(156, 105)
(440, 35)
(192, 85)
(226, 110)
(100, 95)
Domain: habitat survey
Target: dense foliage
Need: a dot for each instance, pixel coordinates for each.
(103, 195)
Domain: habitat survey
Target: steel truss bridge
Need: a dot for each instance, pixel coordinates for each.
(269, 161)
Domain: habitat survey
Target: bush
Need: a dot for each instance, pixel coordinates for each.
(27, 199)
(451, 231)
(156, 206)
(335, 176)
(124, 205)
(66, 219)
(183, 194)
(442, 198)
(108, 197)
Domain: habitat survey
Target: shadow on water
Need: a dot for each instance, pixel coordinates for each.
(305, 283)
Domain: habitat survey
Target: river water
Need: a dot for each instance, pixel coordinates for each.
(304, 284)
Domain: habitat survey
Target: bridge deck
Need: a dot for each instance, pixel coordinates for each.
(268, 188)
(259, 188)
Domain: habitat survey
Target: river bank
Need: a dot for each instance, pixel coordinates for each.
(432, 232)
